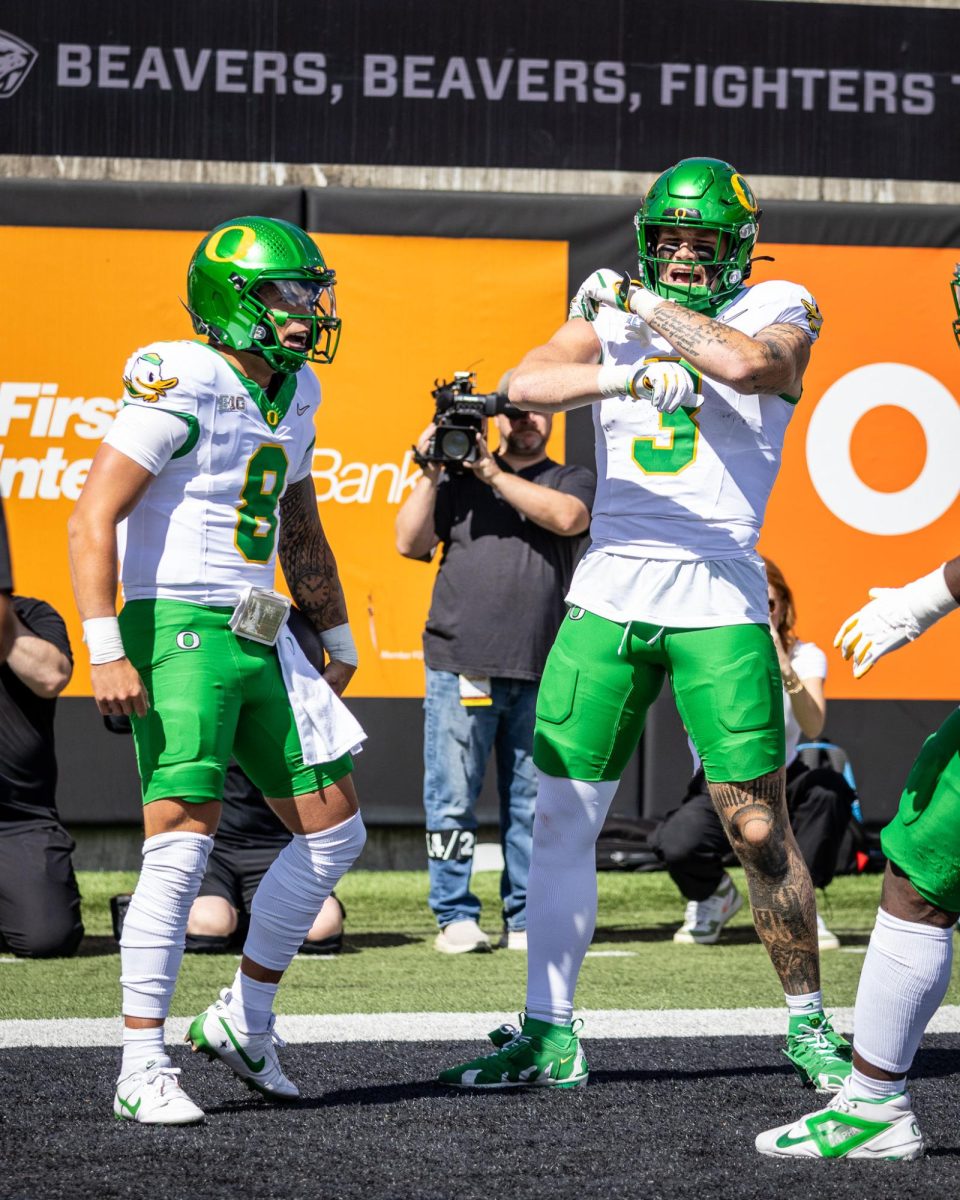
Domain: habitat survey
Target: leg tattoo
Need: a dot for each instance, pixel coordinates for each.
(754, 815)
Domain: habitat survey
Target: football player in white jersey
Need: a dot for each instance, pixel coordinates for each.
(907, 968)
(205, 476)
(693, 377)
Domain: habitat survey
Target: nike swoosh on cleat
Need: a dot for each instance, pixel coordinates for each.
(132, 1109)
(565, 1060)
(254, 1066)
(785, 1140)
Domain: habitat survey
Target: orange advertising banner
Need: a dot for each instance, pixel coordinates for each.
(868, 492)
(413, 309)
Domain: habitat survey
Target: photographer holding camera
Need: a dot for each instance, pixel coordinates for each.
(511, 526)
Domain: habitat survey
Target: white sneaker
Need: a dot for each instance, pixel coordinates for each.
(826, 938)
(154, 1096)
(849, 1128)
(704, 919)
(251, 1056)
(462, 937)
(513, 939)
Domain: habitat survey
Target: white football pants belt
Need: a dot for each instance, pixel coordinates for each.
(326, 726)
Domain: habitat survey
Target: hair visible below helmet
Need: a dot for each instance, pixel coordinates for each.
(776, 580)
(232, 264)
(955, 287)
(700, 193)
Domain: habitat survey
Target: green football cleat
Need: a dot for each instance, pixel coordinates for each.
(820, 1056)
(538, 1055)
(849, 1127)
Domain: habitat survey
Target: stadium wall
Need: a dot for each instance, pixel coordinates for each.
(881, 512)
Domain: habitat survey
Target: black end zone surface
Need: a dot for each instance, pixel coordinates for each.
(660, 1118)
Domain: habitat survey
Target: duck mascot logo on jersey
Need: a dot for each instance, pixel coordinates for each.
(146, 381)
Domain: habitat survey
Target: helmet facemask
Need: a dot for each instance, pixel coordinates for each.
(307, 301)
(724, 267)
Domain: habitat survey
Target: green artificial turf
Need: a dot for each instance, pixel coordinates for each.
(389, 964)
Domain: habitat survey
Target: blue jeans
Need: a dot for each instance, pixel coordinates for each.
(457, 741)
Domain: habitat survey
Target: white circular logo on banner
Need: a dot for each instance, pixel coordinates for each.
(828, 449)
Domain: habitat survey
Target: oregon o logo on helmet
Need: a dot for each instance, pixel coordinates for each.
(237, 247)
(828, 449)
(188, 640)
(743, 193)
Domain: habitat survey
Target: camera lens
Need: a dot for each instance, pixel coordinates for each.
(455, 444)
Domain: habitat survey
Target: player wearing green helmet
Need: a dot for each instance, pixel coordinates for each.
(693, 377)
(202, 484)
(907, 968)
(249, 278)
(698, 196)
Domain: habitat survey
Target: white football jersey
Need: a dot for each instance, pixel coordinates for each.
(207, 525)
(692, 484)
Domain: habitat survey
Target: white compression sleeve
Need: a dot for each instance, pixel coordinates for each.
(292, 892)
(562, 890)
(154, 929)
(903, 982)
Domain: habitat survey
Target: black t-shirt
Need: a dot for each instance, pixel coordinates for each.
(498, 597)
(245, 816)
(6, 571)
(28, 765)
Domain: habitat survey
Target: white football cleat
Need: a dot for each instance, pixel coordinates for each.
(251, 1056)
(154, 1096)
(704, 919)
(849, 1127)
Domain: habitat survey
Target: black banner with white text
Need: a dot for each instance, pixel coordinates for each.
(779, 89)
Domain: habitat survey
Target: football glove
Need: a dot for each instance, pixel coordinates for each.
(893, 617)
(595, 290)
(667, 386)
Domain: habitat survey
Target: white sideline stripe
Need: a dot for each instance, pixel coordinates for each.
(457, 1027)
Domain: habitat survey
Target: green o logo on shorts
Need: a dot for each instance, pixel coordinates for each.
(188, 640)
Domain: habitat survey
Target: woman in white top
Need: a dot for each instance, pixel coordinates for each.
(691, 840)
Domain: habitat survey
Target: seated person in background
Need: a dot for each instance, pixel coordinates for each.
(39, 898)
(248, 839)
(691, 839)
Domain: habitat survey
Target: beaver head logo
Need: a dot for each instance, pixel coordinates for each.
(16, 59)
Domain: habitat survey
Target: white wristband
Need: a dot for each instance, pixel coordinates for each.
(643, 302)
(339, 644)
(929, 598)
(102, 635)
(613, 380)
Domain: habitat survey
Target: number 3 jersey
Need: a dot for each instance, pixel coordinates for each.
(223, 452)
(688, 487)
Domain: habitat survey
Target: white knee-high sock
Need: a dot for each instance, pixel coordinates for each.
(292, 892)
(903, 982)
(562, 890)
(154, 929)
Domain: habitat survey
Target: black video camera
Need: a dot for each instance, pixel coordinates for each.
(459, 419)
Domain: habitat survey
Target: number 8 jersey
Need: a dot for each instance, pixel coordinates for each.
(223, 452)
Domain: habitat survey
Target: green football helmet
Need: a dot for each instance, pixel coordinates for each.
(699, 193)
(955, 285)
(249, 276)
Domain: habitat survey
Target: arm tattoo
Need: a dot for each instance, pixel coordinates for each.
(690, 333)
(307, 560)
(781, 894)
